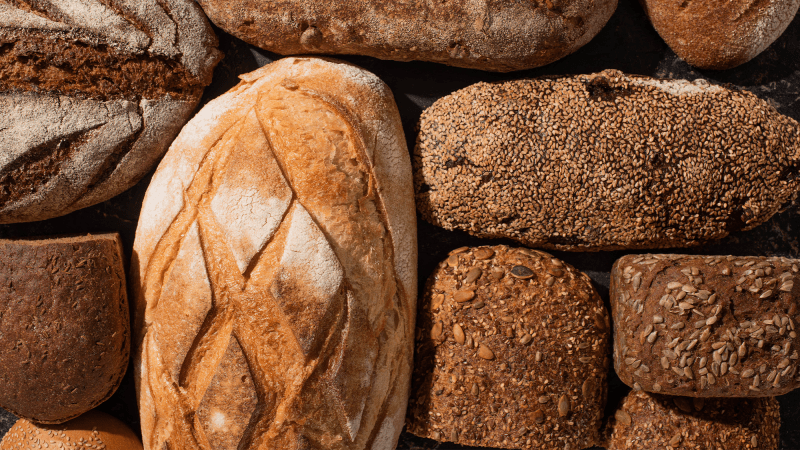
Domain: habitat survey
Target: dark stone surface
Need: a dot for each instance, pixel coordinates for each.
(628, 43)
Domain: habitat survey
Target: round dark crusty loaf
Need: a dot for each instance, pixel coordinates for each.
(64, 325)
(604, 161)
(720, 34)
(91, 94)
(706, 326)
(652, 421)
(498, 35)
(512, 351)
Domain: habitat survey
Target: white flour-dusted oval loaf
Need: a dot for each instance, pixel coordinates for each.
(275, 269)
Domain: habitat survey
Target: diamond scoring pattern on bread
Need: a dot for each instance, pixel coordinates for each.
(322, 314)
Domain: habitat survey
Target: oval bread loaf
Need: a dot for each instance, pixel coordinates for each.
(91, 94)
(512, 351)
(604, 161)
(706, 326)
(720, 34)
(647, 421)
(275, 269)
(493, 35)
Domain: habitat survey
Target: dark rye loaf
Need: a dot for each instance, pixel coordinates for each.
(91, 95)
(512, 351)
(706, 326)
(604, 161)
(498, 35)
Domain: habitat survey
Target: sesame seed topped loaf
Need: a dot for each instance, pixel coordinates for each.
(64, 325)
(706, 326)
(92, 92)
(720, 34)
(498, 35)
(91, 431)
(512, 351)
(652, 421)
(604, 161)
(275, 269)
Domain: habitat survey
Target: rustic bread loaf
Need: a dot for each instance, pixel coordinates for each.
(652, 421)
(720, 34)
(275, 268)
(91, 94)
(604, 161)
(706, 326)
(483, 34)
(92, 431)
(512, 351)
(64, 325)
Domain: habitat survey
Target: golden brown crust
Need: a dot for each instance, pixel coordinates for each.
(512, 351)
(604, 161)
(91, 431)
(720, 34)
(64, 323)
(498, 35)
(706, 326)
(651, 421)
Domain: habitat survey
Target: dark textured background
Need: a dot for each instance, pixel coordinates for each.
(628, 43)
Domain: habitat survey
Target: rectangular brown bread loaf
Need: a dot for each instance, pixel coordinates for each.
(706, 326)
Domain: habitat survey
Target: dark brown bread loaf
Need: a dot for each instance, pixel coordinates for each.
(91, 94)
(64, 325)
(499, 35)
(512, 351)
(706, 326)
(720, 34)
(652, 421)
(604, 161)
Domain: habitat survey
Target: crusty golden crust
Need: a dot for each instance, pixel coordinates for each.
(512, 351)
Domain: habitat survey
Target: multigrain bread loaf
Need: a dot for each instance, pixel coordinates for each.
(91, 94)
(64, 325)
(720, 34)
(652, 421)
(493, 35)
(92, 431)
(604, 161)
(512, 351)
(275, 268)
(706, 326)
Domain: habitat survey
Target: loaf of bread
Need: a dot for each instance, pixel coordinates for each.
(275, 268)
(512, 351)
(91, 94)
(706, 326)
(652, 421)
(64, 325)
(604, 161)
(92, 431)
(480, 34)
(720, 35)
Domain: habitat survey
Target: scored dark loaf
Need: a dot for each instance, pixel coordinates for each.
(604, 161)
(91, 95)
(706, 326)
(512, 351)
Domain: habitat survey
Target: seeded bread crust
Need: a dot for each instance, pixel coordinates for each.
(720, 35)
(91, 94)
(604, 161)
(91, 431)
(64, 325)
(652, 421)
(512, 351)
(706, 326)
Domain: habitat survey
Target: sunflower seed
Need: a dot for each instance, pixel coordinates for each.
(748, 373)
(674, 285)
(623, 417)
(485, 353)
(526, 339)
(484, 253)
(473, 275)
(538, 416)
(436, 331)
(563, 406)
(458, 333)
(438, 299)
(463, 296)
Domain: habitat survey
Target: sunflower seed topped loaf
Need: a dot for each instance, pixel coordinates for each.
(720, 34)
(652, 421)
(275, 269)
(91, 94)
(604, 161)
(498, 35)
(512, 351)
(706, 326)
